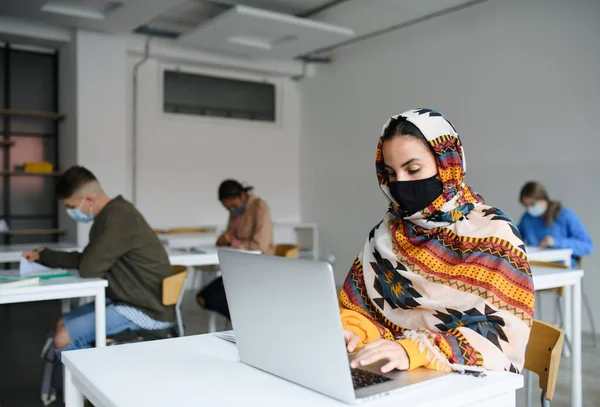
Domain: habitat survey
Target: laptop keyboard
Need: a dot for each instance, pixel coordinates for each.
(362, 379)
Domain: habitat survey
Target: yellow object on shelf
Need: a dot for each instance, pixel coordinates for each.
(43, 167)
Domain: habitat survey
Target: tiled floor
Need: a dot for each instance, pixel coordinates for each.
(23, 329)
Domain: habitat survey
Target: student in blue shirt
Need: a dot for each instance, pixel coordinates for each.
(547, 224)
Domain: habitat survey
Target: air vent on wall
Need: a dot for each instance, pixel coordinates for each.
(251, 31)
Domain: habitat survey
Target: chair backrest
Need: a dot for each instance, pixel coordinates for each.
(543, 354)
(287, 250)
(172, 286)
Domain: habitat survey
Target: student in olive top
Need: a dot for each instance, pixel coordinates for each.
(123, 249)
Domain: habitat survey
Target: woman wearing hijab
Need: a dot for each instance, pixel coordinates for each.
(249, 228)
(547, 224)
(443, 280)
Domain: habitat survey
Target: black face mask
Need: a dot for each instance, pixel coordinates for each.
(414, 196)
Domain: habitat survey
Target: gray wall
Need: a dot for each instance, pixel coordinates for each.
(519, 79)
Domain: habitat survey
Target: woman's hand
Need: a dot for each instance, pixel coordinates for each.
(548, 241)
(225, 240)
(382, 349)
(352, 340)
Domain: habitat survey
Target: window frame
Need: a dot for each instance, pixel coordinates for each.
(225, 74)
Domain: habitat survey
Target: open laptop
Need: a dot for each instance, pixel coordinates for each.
(286, 322)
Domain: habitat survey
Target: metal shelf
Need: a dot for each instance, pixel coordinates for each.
(32, 113)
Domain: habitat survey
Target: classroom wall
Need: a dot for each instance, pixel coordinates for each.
(182, 159)
(519, 79)
(95, 133)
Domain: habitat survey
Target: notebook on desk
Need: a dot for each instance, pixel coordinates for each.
(17, 281)
(28, 268)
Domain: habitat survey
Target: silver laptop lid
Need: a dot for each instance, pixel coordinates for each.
(286, 320)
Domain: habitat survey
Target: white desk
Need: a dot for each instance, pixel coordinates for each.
(563, 256)
(550, 255)
(12, 253)
(185, 240)
(205, 370)
(548, 277)
(197, 256)
(63, 288)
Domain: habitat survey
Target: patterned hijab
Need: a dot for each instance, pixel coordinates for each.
(454, 277)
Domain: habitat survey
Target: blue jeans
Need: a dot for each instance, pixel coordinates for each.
(81, 325)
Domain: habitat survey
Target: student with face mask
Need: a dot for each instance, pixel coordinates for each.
(122, 249)
(249, 228)
(443, 280)
(547, 224)
(249, 225)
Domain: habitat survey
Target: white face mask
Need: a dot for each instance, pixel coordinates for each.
(536, 210)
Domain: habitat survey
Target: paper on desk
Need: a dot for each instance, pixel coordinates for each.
(26, 268)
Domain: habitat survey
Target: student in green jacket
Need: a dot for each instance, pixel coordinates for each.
(122, 249)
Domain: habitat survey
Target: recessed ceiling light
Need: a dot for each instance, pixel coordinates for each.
(90, 9)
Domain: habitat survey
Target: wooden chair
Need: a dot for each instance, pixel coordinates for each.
(290, 251)
(172, 293)
(542, 356)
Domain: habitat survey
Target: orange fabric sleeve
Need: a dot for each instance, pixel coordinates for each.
(416, 358)
(360, 325)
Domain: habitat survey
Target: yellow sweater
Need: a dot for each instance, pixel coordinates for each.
(369, 332)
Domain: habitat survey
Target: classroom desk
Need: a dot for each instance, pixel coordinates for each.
(60, 289)
(563, 256)
(195, 256)
(550, 255)
(185, 240)
(12, 253)
(199, 256)
(546, 278)
(205, 370)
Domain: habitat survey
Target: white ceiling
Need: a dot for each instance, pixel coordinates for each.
(362, 16)
(132, 14)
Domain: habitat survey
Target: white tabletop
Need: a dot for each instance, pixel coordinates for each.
(550, 255)
(552, 277)
(55, 288)
(184, 240)
(197, 256)
(182, 371)
(12, 253)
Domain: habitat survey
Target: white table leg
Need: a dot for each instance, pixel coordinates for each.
(65, 305)
(212, 321)
(576, 382)
(73, 397)
(529, 387)
(100, 318)
(568, 319)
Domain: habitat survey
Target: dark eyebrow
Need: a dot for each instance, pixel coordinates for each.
(405, 164)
